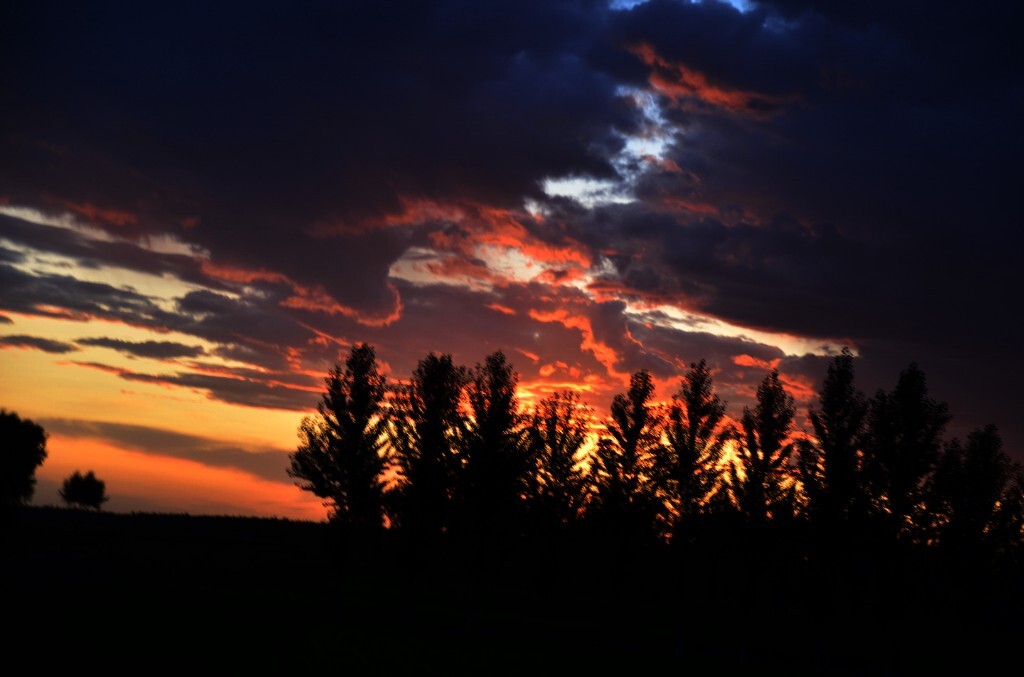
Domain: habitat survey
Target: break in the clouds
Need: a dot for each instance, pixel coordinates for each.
(593, 187)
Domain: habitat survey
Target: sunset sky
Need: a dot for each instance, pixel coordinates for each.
(204, 205)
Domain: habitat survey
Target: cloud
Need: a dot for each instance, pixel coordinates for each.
(270, 464)
(265, 392)
(161, 350)
(37, 343)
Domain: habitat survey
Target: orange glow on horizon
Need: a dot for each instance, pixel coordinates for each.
(149, 482)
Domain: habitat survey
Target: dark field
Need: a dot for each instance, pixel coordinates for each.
(227, 593)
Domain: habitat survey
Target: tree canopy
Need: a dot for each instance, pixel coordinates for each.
(24, 450)
(341, 455)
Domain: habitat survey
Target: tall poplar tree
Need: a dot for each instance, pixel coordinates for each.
(760, 477)
(688, 472)
(427, 432)
(341, 455)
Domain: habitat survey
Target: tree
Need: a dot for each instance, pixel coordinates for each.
(341, 456)
(904, 440)
(625, 497)
(557, 432)
(427, 432)
(84, 491)
(970, 484)
(759, 477)
(688, 470)
(830, 467)
(24, 450)
(495, 466)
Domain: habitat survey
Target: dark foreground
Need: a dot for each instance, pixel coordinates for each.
(216, 593)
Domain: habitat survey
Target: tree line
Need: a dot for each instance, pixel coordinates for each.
(451, 452)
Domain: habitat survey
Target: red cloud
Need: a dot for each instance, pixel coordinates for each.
(505, 310)
(682, 83)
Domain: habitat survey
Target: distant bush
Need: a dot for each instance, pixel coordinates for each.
(84, 491)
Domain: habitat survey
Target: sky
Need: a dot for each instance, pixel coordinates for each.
(203, 206)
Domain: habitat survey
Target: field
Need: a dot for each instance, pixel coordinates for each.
(227, 592)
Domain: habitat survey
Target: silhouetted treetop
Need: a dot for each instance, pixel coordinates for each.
(760, 477)
(24, 450)
(427, 433)
(495, 455)
(341, 456)
(558, 430)
(625, 492)
(905, 430)
(688, 471)
(831, 467)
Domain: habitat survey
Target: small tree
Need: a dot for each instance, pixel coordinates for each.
(341, 455)
(24, 450)
(84, 491)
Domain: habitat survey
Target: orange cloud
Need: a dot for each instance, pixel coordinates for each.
(754, 363)
(601, 351)
(682, 83)
(533, 357)
(505, 310)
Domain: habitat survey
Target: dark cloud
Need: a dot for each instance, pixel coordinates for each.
(65, 296)
(95, 253)
(264, 126)
(270, 464)
(251, 393)
(36, 342)
(161, 350)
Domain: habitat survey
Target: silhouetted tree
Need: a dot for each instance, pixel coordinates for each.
(495, 469)
(84, 491)
(760, 477)
(24, 450)
(558, 430)
(428, 429)
(688, 471)
(830, 467)
(342, 451)
(625, 495)
(904, 440)
(968, 487)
